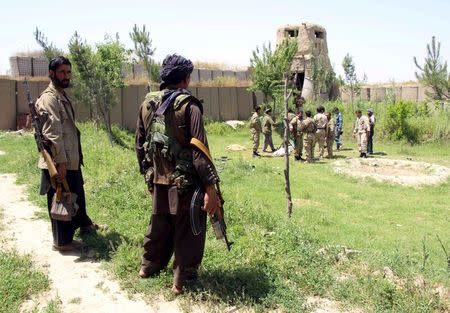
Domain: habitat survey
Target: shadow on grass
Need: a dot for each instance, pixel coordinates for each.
(239, 285)
(379, 153)
(102, 245)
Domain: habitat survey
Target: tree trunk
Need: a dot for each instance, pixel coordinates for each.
(286, 147)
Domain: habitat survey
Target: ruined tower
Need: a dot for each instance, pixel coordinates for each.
(312, 52)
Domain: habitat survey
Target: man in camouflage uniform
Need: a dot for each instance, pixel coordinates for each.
(308, 128)
(321, 129)
(173, 171)
(60, 131)
(267, 125)
(299, 101)
(360, 131)
(297, 134)
(255, 130)
(330, 135)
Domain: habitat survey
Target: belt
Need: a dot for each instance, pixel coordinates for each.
(321, 128)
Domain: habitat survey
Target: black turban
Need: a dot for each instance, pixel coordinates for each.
(174, 69)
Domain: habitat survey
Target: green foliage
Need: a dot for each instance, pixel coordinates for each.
(352, 83)
(98, 75)
(144, 51)
(268, 67)
(18, 281)
(397, 124)
(434, 72)
(50, 51)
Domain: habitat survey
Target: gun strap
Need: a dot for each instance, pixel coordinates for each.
(198, 144)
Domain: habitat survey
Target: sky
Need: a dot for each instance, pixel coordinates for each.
(382, 36)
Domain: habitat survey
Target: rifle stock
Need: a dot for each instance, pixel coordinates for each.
(39, 137)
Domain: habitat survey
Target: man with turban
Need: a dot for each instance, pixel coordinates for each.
(173, 156)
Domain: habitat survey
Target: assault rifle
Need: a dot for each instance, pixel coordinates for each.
(41, 143)
(217, 219)
(197, 202)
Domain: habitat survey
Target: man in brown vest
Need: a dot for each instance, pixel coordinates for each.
(63, 138)
(172, 151)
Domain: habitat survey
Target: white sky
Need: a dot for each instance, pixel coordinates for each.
(382, 36)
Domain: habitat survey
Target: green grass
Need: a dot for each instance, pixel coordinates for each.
(18, 281)
(275, 262)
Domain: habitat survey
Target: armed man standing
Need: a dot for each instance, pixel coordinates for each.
(255, 130)
(62, 137)
(172, 151)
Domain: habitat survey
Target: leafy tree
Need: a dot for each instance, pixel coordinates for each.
(99, 73)
(268, 67)
(144, 51)
(434, 72)
(50, 51)
(352, 83)
(323, 76)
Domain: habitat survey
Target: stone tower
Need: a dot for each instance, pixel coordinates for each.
(312, 44)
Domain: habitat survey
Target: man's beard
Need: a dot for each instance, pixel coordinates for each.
(64, 83)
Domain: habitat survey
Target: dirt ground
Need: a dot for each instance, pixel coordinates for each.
(81, 285)
(402, 172)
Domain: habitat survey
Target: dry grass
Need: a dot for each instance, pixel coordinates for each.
(218, 66)
(222, 82)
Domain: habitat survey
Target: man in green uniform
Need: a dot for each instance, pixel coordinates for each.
(172, 151)
(255, 130)
(267, 125)
(308, 127)
(297, 134)
(321, 125)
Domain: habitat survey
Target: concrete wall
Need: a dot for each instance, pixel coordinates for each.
(378, 94)
(219, 103)
(8, 104)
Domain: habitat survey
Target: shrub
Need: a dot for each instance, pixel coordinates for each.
(397, 126)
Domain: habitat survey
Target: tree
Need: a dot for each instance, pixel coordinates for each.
(269, 66)
(99, 73)
(50, 51)
(323, 76)
(351, 81)
(434, 73)
(144, 51)
(287, 182)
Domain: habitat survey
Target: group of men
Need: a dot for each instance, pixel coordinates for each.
(307, 131)
(173, 156)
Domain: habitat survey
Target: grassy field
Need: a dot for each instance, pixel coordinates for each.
(275, 262)
(18, 281)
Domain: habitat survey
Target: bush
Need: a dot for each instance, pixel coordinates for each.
(397, 126)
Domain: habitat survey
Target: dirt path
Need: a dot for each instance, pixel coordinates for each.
(81, 286)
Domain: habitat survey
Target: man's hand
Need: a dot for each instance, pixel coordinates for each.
(61, 168)
(211, 200)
